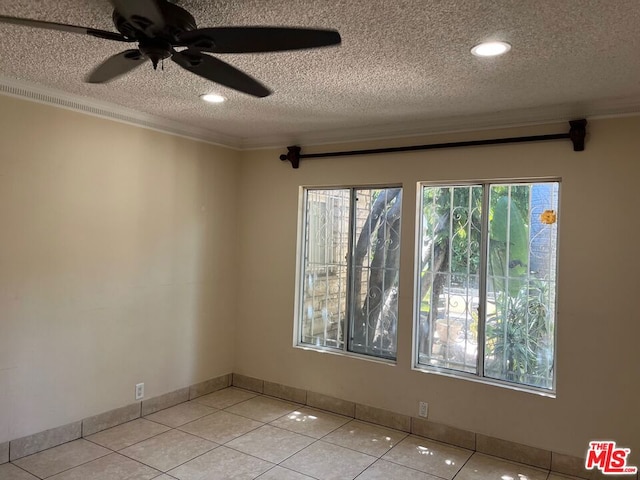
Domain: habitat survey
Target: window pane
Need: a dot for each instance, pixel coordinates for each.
(521, 283)
(326, 244)
(376, 262)
(448, 286)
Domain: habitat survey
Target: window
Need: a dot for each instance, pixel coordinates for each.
(486, 286)
(348, 292)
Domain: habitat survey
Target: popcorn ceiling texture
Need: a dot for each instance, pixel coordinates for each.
(402, 62)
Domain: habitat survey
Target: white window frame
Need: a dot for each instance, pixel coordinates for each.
(479, 377)
(299, 279)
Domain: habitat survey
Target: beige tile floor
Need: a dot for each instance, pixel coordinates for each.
(235, 434)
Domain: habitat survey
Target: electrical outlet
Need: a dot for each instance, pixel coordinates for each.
(424, 409)
(139, 391)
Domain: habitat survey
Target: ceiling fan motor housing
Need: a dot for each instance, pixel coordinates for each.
(177, 20)
(156, 44)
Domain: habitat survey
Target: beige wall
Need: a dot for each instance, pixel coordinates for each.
(122, 249)
(598, 369)
(117, 249)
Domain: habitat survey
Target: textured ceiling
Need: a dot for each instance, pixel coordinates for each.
(404, 65)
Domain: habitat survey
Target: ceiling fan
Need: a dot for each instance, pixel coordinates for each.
(159, 26)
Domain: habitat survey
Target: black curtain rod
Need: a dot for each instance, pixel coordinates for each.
(576, 134)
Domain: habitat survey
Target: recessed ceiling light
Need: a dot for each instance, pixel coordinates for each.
(490, 49)
(212, 98)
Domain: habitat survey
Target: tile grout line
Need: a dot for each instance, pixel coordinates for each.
(268, 461)
(309, 436)
(514, 462)
(411, 468)
(75, 466)
(411, 433)
(463, 465)
(20, 468)
(136, 443)
(315, 440)
(415, 469)
(296, 471)
(268, 423)
(266, 471)
(358, 451)
(225, 443)
(350, 419)
(372, 463)
(293, 469)
(217, 445)
(168, 426)
(182, 424)
(250, 418)
(141, 463)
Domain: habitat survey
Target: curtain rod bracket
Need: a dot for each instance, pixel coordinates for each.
(293, 156)
(577, 134)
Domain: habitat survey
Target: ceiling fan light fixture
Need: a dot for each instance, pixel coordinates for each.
(490, 49)
(212, 98)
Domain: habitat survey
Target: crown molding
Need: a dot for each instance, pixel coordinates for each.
(49, 96)
(463, 123)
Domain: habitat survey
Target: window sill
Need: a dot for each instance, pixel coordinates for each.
(342, 353)
(484, 380)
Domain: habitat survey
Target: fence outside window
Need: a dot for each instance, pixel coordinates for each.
(350, 267)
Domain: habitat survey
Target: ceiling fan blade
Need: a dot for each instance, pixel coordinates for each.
(146, 15)
(117, 65)
(64, 28)
(257, 39)
(220, 72)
